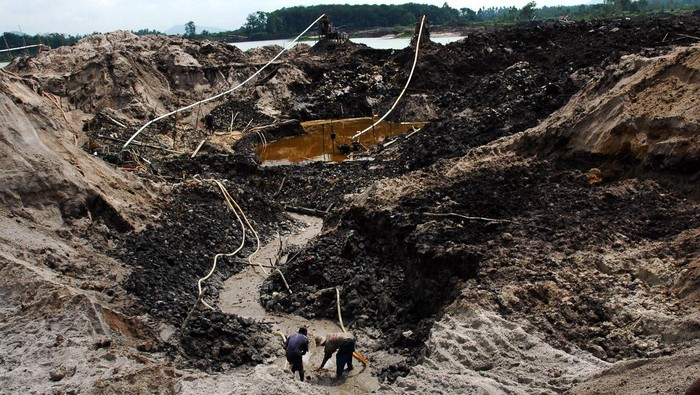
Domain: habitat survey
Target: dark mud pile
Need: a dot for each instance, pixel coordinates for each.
(493, 84)
(504, 81)
(172, 254)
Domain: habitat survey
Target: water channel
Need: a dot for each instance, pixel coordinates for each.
(241, 295)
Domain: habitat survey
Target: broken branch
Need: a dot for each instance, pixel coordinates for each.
(467, 217)
(116, 122)
(139, 143)
(198, 148)
(688, 36)
(306, 210)
(281, 186)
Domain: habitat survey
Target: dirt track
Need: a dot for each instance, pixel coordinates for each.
(540, 235)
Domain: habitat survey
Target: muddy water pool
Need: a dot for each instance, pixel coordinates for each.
(331, 140)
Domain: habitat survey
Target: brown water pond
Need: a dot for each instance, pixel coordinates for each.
(331, 140)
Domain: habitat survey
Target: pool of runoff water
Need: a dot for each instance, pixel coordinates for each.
(331, 140)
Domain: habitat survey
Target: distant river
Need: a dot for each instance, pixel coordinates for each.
(374, 42)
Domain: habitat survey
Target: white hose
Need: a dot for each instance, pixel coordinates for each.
(235, 208)
(228, 198)
(337, 303)
(415, 60)
(216, 257)
(222, 93)
(284, 279)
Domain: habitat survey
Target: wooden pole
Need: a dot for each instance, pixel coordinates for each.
(174, 134)
(323, 141)
(140, 143)
(196, 120)
(198, 148)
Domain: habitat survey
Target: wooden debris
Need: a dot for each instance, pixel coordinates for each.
(198, 148)
(139, 143)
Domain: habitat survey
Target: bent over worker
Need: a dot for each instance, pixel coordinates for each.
(295, 347)
(344, 343)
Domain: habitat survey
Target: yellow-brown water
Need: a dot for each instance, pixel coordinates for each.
(318, 145)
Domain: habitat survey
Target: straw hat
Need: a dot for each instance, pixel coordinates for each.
(320, 340)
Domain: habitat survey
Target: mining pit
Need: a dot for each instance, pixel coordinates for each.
(538, 231)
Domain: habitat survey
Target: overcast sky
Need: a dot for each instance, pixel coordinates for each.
(88, 16)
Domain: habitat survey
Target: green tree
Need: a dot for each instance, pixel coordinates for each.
(528, 11)
(511, 14)
(274, 24)
(625, 5)
(190, 29)
(467, 14)
(256, 22)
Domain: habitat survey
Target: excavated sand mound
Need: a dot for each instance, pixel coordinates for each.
(57, 290)
(135, 76)
(46, 173)
(646, 108)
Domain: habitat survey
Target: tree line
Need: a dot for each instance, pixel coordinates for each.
(289, 21)
(15, 40)
(292, 20)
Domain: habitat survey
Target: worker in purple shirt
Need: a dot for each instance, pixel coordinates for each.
(295, 347)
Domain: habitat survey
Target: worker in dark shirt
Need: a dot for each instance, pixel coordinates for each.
(295, 347)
